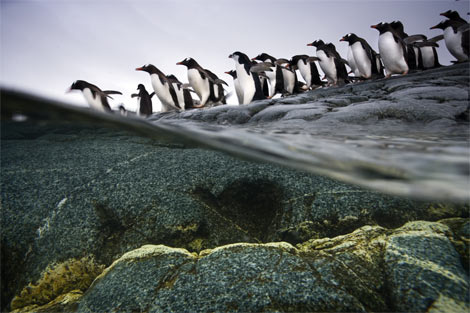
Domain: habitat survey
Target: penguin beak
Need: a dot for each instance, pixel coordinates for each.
(374, 26)
(253, 59)
(310, 44)
(227, 72)
(435, 26)
(139, 69)
(342, 39)
(230, 56)
(179, 63)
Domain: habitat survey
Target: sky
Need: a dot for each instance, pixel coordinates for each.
(45, 45)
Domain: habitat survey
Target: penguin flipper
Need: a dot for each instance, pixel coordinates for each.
(425, 44)
(436, 39)
(465, 42)
(134, 95)
(112, 92)
(414, 38)
(152, 94)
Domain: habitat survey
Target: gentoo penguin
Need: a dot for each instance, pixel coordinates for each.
(206, 84)
(144, 100)
(456, 37)
(363, 56)
(236, 84)
(307, 68)
(249, 81)
(330, 62)
(183, 93)
(163, 88)
(426, 52)
(275, 77)
(392, 50)
(289, 77)
(96, 98)
(410, 56)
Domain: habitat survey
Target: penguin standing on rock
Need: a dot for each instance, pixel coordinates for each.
(275, 77)
(183, 92)
(144, 100)
(96, 98)
(363, 56)
(331, 63)
(456, 37)
(163, 88)
(249, 81)
(392, 50)
(206, 84)
(307, 68)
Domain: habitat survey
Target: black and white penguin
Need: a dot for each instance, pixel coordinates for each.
(392, 50)
(206, 84)
(96, 98)
(249, 81)
(144, 100)
(363, 56)
(456, 37)
(275, 77)
(331, 62)
(236, 85)
(308, 69)
(426, 52)
(183, 93)
(411, 52)
(163, 88)
(289, 77)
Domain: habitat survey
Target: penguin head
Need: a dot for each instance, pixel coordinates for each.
(188, 62)
(316, 43)
(80, 85)
(240, 57)
(453, 15)
(442, 25)
(264, 57)
(232, 73)
(140, 87)
(351, 38)
(382, 27)
(297, 58)
(149, 68)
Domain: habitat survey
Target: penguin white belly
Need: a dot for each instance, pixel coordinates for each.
(238, 90)
(138, 107)
(163, 92)
(305, 71)
(272, 81)
(179, 95)
(200, 85)
(289, 80)
(427, 54)
(247, 83)
(94, 102)
(328, 66)
(392, 54)
(352, 62)
(454, 44)
(363, 63)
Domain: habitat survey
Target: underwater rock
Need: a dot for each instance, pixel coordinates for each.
(413, 268)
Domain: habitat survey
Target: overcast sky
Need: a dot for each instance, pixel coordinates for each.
(46, 45)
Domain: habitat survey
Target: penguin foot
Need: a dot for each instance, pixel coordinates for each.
(405, 72)
(388, 76)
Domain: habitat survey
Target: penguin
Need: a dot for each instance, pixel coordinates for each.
(363, 56)
(288, 76)
(249, 81)
(411, 57)
(236, 84)
(163, 88)
(275, 77)
(307, 68)
(456, 37)
(426, 52)
(144, 100)
(96, 98)
(206, 84)
(392, 50)
(183, 93)
(330, 62)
